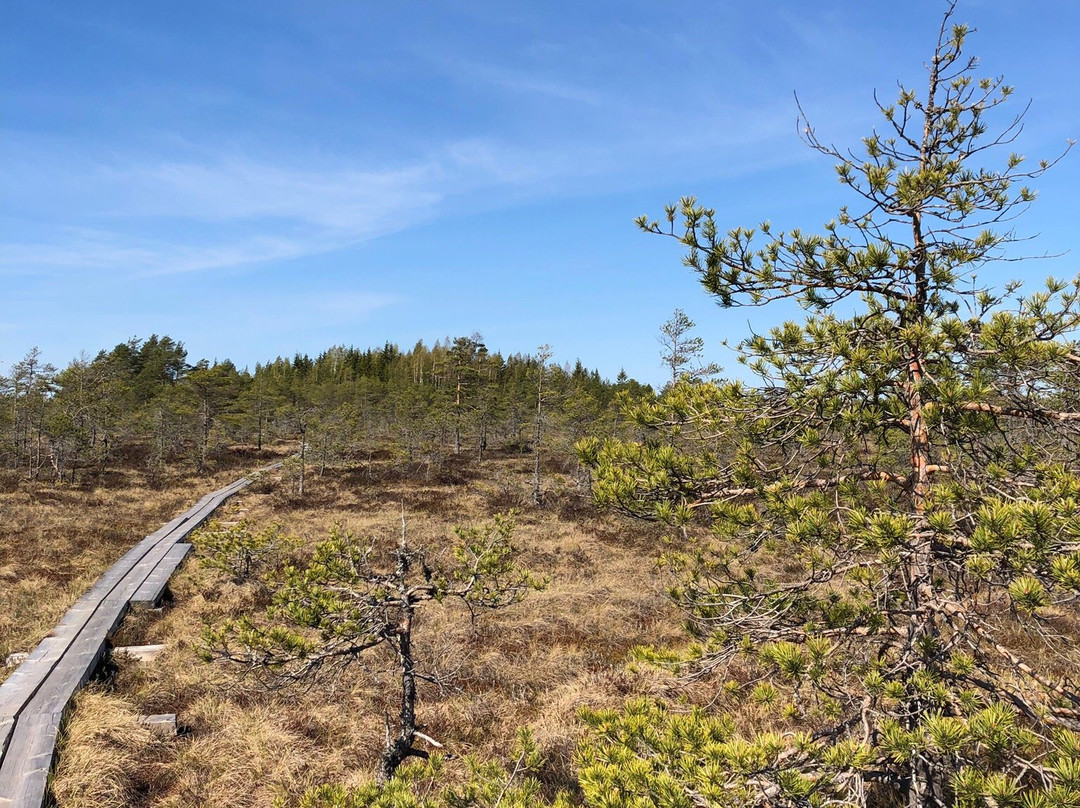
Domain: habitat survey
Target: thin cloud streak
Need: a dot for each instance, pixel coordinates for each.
(234, 210)
(268, 212)
(108, 252)
(341, 198)
(516, 81)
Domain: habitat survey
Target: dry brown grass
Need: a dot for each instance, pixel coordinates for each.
(113, 760)
(534, 664)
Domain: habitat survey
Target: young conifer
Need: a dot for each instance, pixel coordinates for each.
(896, 530)
(354, 599)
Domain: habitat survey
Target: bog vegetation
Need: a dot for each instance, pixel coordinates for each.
(869, 558)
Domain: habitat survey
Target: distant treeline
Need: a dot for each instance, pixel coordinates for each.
(142, 402)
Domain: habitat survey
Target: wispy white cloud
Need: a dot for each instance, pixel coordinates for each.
(215, 213)
(815, 29)
(487, 158)
(71, 247)
(80, 249)
(213, 209)
(341, 197)
(168, 217)
(513, 80)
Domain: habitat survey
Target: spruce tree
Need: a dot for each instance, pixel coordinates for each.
(895, 532)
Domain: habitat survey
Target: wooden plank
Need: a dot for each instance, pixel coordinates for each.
(35, 761)
(7, 726)
(24, 682)
(139, 653)
(25, 765)
(152, 589)
(162, 725)
(20, 687)
(36, 666)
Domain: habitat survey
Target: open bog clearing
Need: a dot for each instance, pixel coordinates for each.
(533, 664)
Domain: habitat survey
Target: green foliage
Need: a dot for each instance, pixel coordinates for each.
(487, 572)
(352, 596)
(682, 353)
(644, 756)
(142, 397)
(240, 552)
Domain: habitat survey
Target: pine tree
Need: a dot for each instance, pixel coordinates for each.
(681, 352)
(894, 508)
(466, 356)
(216, 389)
(354, 599)
(31, 387)
(543, 393)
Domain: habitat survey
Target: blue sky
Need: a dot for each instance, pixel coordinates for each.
(259, 178)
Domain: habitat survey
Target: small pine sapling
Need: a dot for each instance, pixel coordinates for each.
(240, 552)
(353, 598)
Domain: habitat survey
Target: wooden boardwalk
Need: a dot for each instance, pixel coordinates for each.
(34, 697)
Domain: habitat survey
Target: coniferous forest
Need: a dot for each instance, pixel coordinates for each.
(849, 577)
(142, 401)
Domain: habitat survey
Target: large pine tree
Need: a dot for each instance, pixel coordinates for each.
(896, 532)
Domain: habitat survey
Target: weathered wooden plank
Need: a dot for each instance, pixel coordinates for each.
(24, 682)
(202, 512)
(139, 653)
(32, 743)
(162, 725)
(37, 665)
(17, 690)
(7, 726)
(151, 591)
(35, 761)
